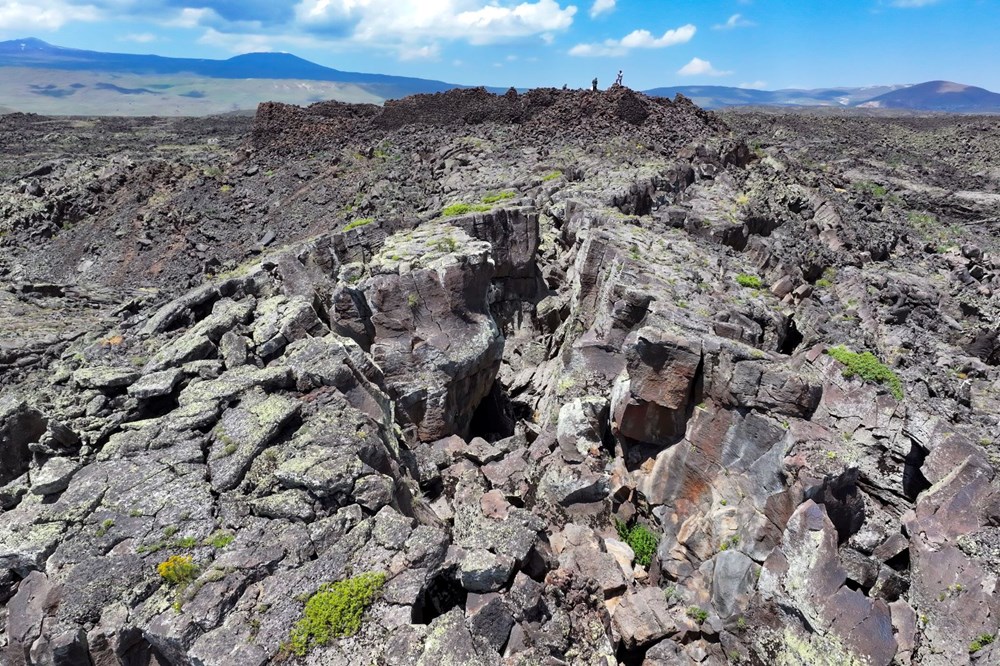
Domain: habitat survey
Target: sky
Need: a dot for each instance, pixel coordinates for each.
(767, 44)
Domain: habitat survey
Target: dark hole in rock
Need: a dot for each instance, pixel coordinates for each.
(494, 419)
(137, 651)
(633, 657)
(791, 340)
(24, 426)
(843, 502)
(914, 481)
(856, 586)
(441, 595)
(154, 408)
(900, 562)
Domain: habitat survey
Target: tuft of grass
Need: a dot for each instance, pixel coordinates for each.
(335, 611)
(105, 526)
(981, 641)
(178, 570)
(750, 281)
(699, 615)
(220, 539)
(867, 366)
(185, 542)
(641, 539)
(464, 209)
(446, 244)
(498, 197)
(552, 175)
(359, 223)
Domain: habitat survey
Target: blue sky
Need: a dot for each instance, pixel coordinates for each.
(754, 43)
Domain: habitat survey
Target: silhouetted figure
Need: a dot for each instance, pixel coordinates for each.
(565, 86)
(595, 84)
(618, 81)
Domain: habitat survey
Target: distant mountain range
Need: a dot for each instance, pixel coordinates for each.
(938, 96)
(42, 78)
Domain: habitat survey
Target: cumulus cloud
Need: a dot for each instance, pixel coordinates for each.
(601, 7)
(699, 67)
(473, 21)
(734, 21)
(637, 39)
(754, 85)
(28, 17)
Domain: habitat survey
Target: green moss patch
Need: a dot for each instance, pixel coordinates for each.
(751, 281)
(464, 209)
(359, 223)
(335, 611)
(867, 366)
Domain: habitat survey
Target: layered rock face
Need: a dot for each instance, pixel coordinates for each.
(594, 396)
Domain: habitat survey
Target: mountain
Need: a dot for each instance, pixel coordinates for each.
(939, 96)
(39, 77)
(943, 96)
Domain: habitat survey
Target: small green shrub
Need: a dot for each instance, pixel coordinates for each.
(105, 526)
(359, 223)
(178, 570)
(641, 539)
(552, 175)
(823, 283)
(751, 281)
(170, 530)
(335, 611)
(981, 641)
(185, 542)
(220, 539)
(464, 208)
(867, 366)
(699, 615)
(498, 197)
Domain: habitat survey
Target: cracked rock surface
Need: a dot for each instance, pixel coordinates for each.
(564, 367)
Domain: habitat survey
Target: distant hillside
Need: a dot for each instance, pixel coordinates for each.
(34, 54)
(939, 96)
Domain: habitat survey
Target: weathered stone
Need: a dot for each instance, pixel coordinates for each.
(105, 378)
(54, 476)
(156, 384)
(643, 618)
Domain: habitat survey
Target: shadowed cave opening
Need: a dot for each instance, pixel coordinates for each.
(914, 481)
(791, 340)
(495, 417)
(441, 595)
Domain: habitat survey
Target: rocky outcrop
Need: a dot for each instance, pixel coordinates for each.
(582, 376)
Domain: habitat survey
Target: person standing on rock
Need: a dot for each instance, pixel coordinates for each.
(618, 81)
(595, 84)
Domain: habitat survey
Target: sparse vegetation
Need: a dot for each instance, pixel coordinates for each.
(178, 570)
(498, 197)
(464, 209)
(641, 540)
(360, 222)
(335, 611)
(552, 175)
(749, 281)
(446, 244)
(697, 614)
(105, 526)
(220, 539)
(867, 366)
(980, 642)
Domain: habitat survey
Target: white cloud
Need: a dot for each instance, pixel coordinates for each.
(45, 15)
(474, 21)
(913, 3)
(637, 39)
(754, 85)
(428, 52)
(138, 37)
(734, 21)
(699, 67)
(601, 7)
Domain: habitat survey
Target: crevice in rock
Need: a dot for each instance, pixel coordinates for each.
(901, 562)
(843, 502)
(634, 657)
(791, 339)
(914, 481)
(440, 595)
(494, 418)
